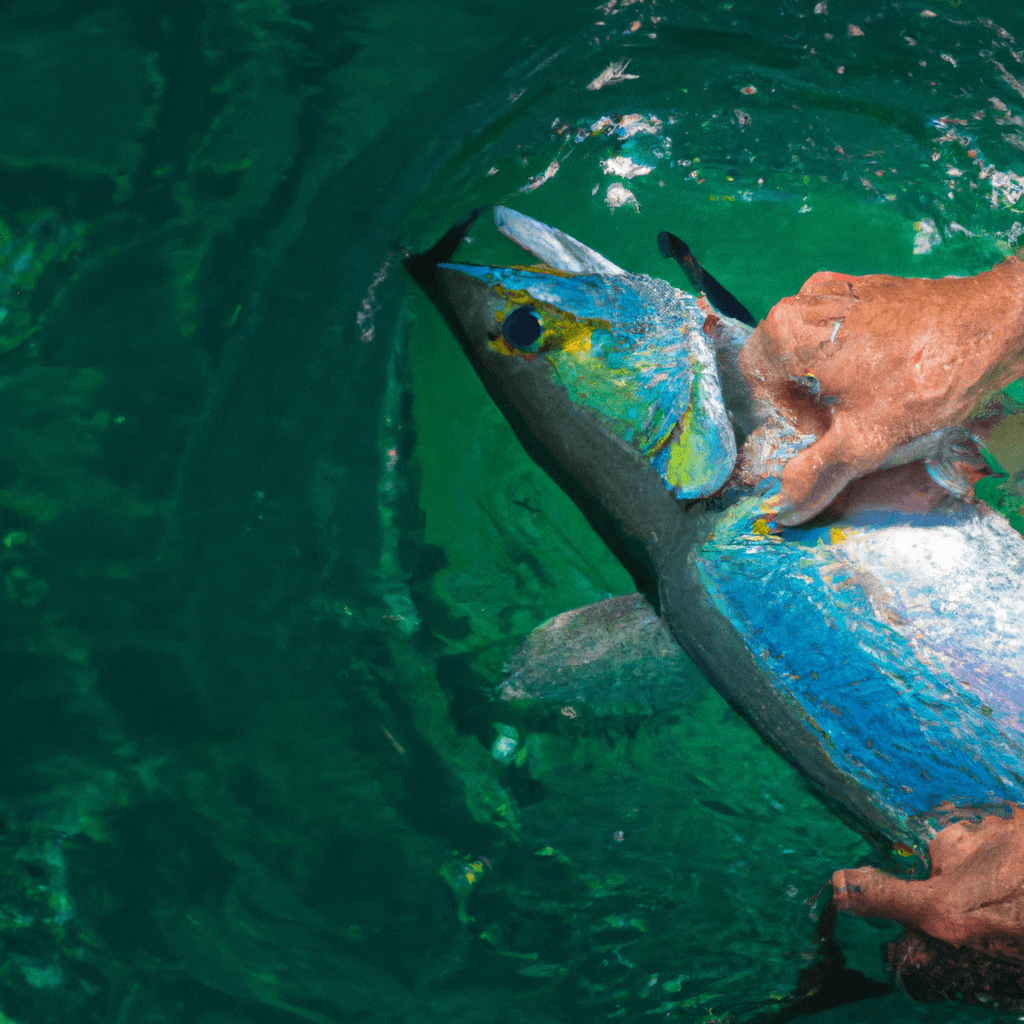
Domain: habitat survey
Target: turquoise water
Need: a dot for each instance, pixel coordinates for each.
(266, 545)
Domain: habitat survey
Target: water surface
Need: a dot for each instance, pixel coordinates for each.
(266, 545)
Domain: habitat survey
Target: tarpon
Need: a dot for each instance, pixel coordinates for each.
(880, 648)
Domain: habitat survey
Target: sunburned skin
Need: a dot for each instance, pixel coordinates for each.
(974, 897)
(867, 363)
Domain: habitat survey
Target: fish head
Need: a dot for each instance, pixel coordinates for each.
(629, 351)
(606, 377)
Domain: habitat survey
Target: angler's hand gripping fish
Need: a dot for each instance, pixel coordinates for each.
(880, 649)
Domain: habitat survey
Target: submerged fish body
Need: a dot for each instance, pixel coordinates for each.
(881, 652)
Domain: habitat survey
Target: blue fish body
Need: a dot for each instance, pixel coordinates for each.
(882, 652)
(896, 639)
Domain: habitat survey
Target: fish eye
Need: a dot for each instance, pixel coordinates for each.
(521, 328)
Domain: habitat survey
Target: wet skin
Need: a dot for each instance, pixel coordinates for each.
(974, 897)
(867, 363)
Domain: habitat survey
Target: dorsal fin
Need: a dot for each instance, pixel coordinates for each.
(553, 247)
(721, 298)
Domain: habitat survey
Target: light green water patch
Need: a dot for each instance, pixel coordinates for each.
(761, 232)
(759, 247)
(1004, 449)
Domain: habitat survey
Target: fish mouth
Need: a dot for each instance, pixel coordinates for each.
(465, 303)
(421, 266)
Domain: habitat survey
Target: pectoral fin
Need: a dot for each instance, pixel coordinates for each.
(616, 656)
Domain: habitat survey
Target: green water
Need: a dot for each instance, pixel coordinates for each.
(266, 545)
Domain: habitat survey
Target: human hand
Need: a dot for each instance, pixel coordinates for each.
(868, 363)
(974, 896)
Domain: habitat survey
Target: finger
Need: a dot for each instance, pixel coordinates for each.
(801, 324)
(809, 485)
(827, 282)
(793, 344)
(771, 362)
(814, 477)
(986, 852)
(868, 892)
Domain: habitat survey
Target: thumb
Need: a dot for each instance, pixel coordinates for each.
(813, 477)
(868, 892)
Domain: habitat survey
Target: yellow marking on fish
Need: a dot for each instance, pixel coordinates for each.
(501, 346)
(761, 528)
(902, 850)
(544, 268)
(685, 443)
(560, 330)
